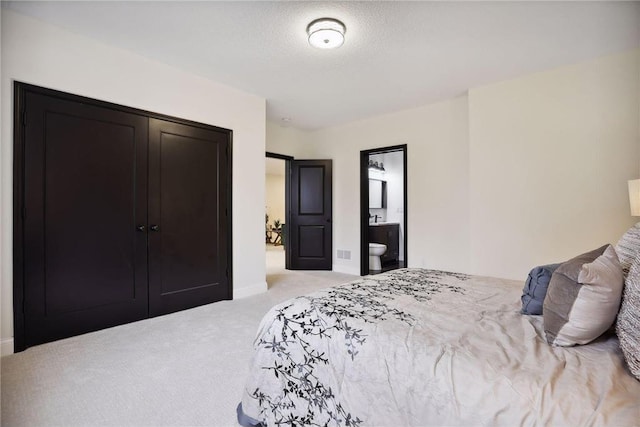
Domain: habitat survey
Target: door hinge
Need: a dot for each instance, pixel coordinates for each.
(227, 273)
(24, 212)
(24, 118)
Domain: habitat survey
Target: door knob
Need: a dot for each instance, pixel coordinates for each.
(154, 228)
(141, 228)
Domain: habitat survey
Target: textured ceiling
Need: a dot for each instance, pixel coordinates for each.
(396, 55)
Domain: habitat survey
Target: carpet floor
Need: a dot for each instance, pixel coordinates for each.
(182, 369)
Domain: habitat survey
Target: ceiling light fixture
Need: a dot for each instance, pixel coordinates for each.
(326, 33)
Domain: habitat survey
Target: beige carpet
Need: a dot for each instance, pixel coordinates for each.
(183, 369)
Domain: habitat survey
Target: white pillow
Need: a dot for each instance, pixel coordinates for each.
(583, 298)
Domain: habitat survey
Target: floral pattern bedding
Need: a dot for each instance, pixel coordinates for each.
(424, 347)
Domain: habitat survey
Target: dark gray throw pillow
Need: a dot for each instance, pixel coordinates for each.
(535, 288)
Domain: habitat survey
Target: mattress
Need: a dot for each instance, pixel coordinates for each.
(419, 347)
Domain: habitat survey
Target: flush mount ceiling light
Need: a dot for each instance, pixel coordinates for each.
(326, 33)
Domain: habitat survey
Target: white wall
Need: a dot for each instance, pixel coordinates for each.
(287, 140)
(275, 198)
(550, 156)
(41, 54)
(519, 173)
(437, 155)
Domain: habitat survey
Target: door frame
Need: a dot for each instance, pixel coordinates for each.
(287, 201)
(19, 122)
(364, 202)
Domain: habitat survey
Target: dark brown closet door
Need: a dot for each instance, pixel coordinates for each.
(188, 237)
(85, 175)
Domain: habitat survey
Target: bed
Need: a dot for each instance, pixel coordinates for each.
(419, 347)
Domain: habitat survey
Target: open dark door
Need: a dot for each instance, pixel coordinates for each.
(309, 228)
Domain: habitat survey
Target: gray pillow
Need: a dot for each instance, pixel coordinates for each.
(535, 288)
(628, 247)
(628, 323)
(583, 297)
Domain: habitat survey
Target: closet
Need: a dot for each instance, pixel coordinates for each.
(119, 215)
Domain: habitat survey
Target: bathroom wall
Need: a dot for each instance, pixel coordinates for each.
(393, 164)
(382, 213)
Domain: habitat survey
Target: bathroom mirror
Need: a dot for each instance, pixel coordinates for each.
(377, 194)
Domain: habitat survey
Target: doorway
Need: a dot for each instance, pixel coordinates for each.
(276, 171)
(383, 209)
(306, 233)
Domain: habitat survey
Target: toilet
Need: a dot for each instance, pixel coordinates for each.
(375, 250)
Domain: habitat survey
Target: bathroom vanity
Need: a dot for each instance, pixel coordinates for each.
(387, 233)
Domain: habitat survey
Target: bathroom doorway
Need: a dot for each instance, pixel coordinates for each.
(383, 209)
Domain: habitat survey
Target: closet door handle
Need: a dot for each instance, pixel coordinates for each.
(141, 228)
(154, 228)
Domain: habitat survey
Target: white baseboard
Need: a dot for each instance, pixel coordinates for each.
(346, 269)
(247, 291)
(6, 347)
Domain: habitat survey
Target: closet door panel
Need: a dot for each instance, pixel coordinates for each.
(187, 216)
(85, 192)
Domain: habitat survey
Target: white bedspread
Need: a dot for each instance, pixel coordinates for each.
(421, 347)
